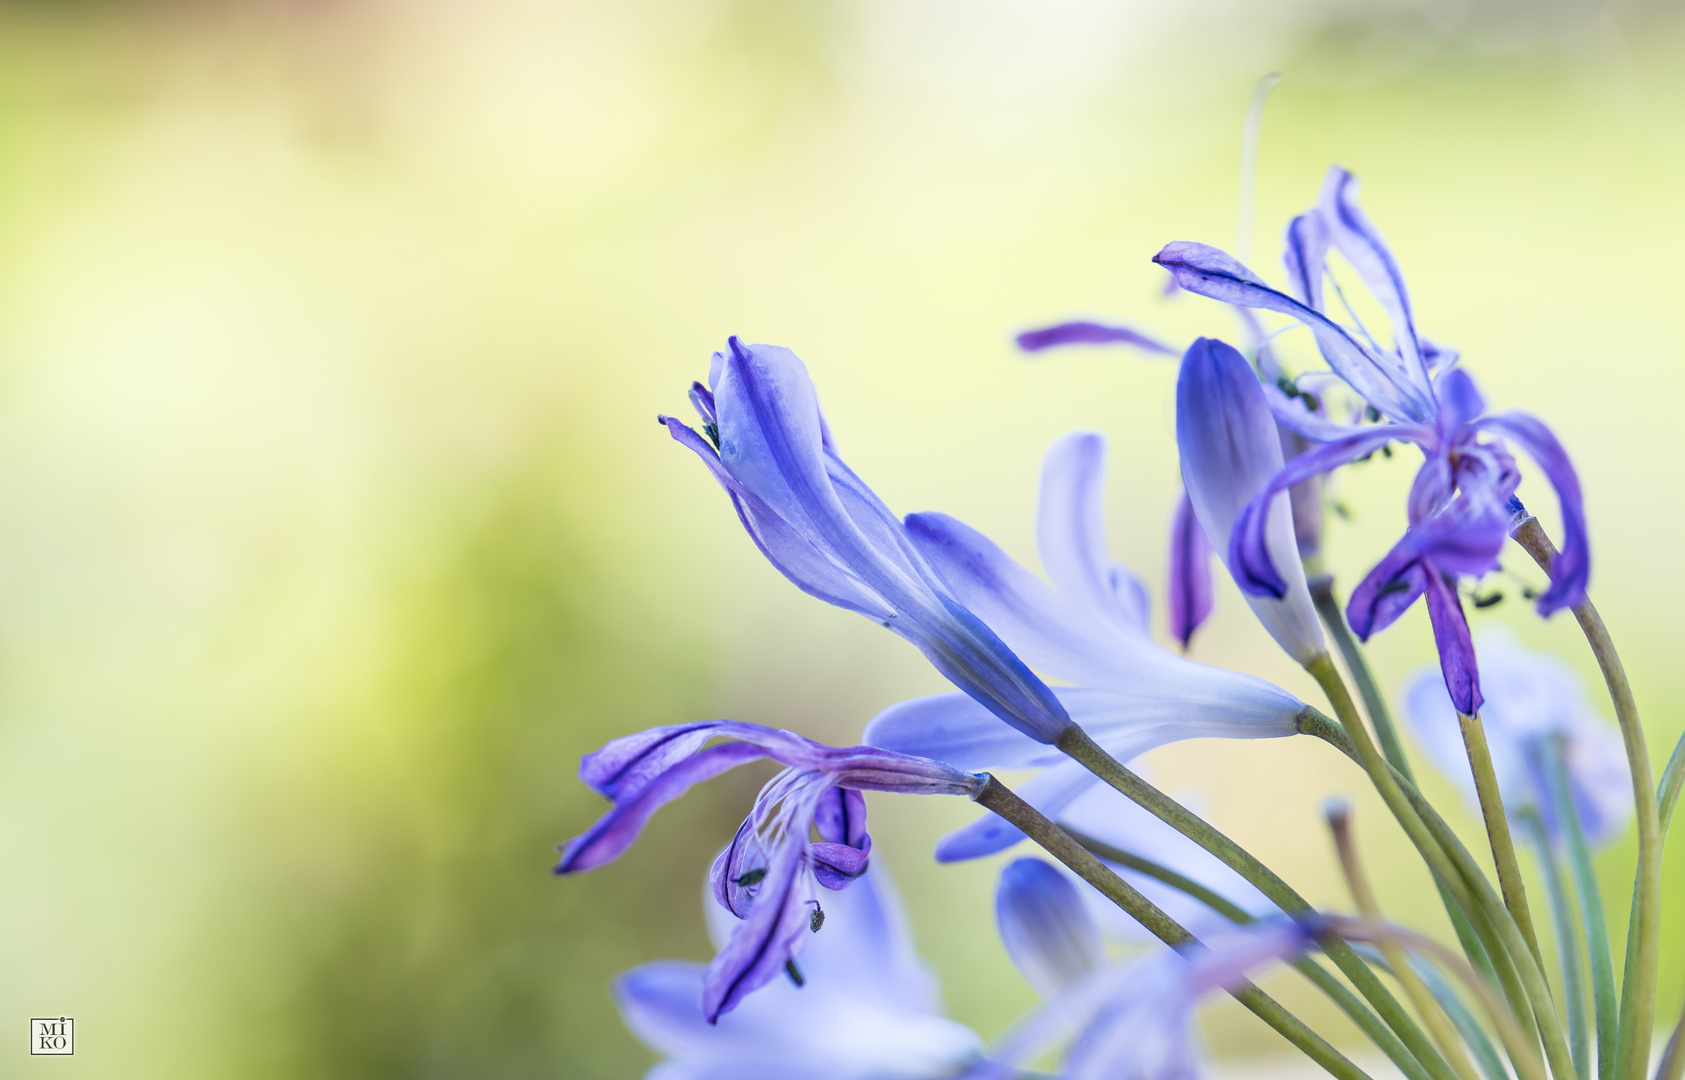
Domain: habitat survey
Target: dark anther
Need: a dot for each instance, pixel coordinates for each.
(1372, 413)
(795, 973)
(1386, 451)
(1529, 593)
(1490, 600)
(751, 877)
(1286, 386)
(816, 920)
(1311, 401)
(712, 430)
(1343, 511)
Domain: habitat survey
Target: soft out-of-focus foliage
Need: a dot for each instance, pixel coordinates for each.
(335, 525)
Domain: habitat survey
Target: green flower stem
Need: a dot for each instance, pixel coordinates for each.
(1444, 1032)
(1592, 918)
(1005, 802)
(1077, 745)
(1374, 703)
(1497, 829)
(1360, 1014)
(1450, 860)
(1567, 944)
(1521, 1049)
(1638, 980)
(1667, 793)
(1386, 733)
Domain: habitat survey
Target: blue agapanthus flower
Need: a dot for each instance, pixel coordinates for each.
(869, 1008)
(766, 877)
(1089, 629)
(1461, 503)
(816, 521)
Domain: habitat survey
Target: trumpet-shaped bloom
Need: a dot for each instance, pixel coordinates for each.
(1135, 1021)
(824, 529)
(766, 876)
(1230, 450)
(869, 1008)
(1531, 700)
(1088, 629)
(1468, 478)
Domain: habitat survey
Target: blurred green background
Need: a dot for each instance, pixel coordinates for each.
(335, 524)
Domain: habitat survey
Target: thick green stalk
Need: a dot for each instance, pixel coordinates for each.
(1005, 802)
(1360, 1014)
(1567, 945)
(1077, 745)
(1462, 876)
(1638, 981)
(1592, 918)
(1386, 733)
(1497, 829)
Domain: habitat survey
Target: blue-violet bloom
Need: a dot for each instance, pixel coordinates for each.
(1417, 395)
(824, 529)
(766, 876)
(1535, 708)
(1088, 629)
(870, 1009)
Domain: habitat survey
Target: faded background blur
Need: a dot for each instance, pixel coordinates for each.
(335, 524)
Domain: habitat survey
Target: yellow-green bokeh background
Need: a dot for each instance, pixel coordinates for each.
(335, 524)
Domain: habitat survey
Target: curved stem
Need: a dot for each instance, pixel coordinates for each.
(1497, 829)
(1667, 792)
(1077, 745)
(1567, 944)
(1638, 981)
(1439, 1025)
(1386, 733)
(1465, 881)
(1056, 842)
(1592, 918)
(1360, 1014)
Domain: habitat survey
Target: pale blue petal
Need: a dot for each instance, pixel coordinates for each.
(1071, 534)
(1046, 927)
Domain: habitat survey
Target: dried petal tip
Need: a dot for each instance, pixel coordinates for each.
(1337, 809)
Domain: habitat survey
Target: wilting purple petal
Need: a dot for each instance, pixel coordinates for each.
(1456, 648)
(1460, 400)
(1381, 380)
(1387, 591)
(1230, 451)
(702, 399)
(836, 866)
(1356, 237)
(1089, 333)
(1190, 594)
(625, 765)
(1572, 569)
(1047, 928)
(1306, 257)
(840, 818)
(769, 937)
(616, 830)
(1071, 534)
(730, 874)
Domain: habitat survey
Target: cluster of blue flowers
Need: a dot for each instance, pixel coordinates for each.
(815, 974)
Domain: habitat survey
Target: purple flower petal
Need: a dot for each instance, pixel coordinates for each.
(1572, 570)
(1230, 451)
(1387, 591)
(1356, 237)
(1383, 381)
(1460, 400)
(1047, 928)
(1456, 648)
(954, 728)
(1089, 333)
(624, 765)
(1071, 534)
(1190, 594)
(836, 866)
(1306, 257)
(616, 830)
(840, 818)
(767, 939)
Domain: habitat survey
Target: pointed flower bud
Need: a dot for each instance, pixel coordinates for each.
(1230, 450)
(1047, 928)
